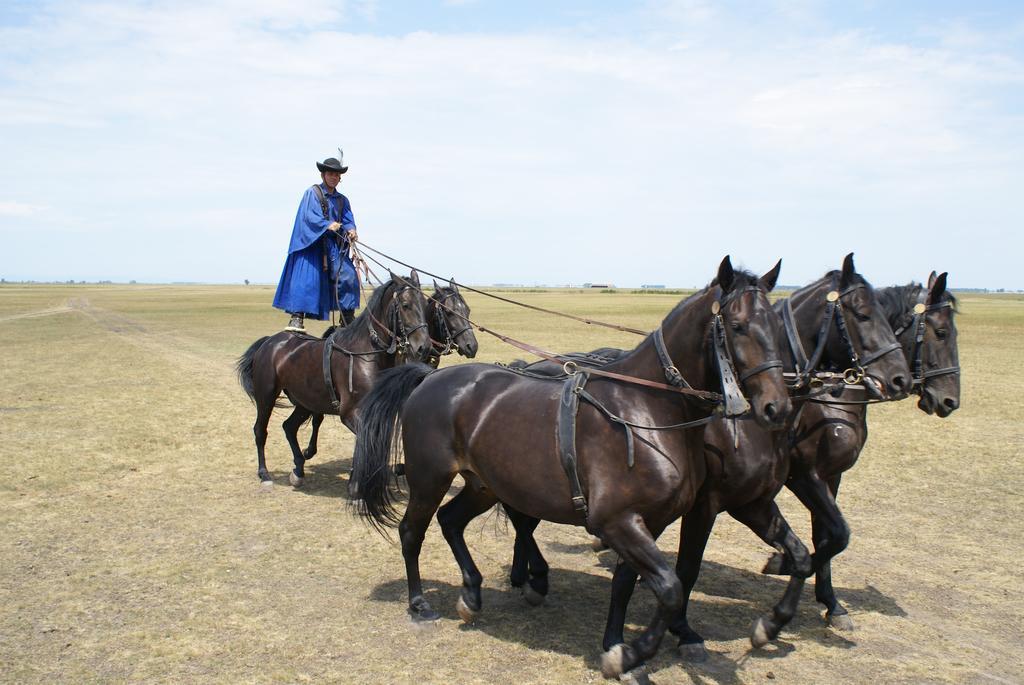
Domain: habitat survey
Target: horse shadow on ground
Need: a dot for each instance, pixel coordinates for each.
(572, 620)
(324, 477)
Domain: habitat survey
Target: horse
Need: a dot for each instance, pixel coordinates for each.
(447, 311)
(329, 375)
(530, 442)
(832, 432)
(747, 467)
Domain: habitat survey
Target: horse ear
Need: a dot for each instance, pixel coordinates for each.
(769, 280)
(391, 275)
(725, 274)
(848, 270)
(938, 287)
(414, 277)
(451, 282)
(436, 286)
(931, 279)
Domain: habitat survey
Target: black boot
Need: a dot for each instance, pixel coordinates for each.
(295, 324)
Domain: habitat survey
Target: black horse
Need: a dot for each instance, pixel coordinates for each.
(747, 465)
(449, 330)
(594, 463)
(329, 376)
(831, 432)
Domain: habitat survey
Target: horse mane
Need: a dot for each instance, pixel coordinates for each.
(349, 332)
(898, 301)
(741, 279)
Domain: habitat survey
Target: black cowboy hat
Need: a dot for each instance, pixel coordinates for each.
(332, 164)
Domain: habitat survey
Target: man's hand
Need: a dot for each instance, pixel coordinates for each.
(352, 236)
(335, 226)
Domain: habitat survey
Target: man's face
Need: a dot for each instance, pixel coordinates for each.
(331, 178)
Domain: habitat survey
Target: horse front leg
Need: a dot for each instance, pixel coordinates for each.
(831, 535)
(636, 546)
(310, 450)
(764, 518)
(835, 613)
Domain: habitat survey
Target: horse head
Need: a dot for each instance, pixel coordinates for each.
(449, 320)
(749, 328)
(407, 315)
(923, 320)
(844, 308)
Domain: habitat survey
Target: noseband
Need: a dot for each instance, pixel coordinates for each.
(833, 313)
(918, 324)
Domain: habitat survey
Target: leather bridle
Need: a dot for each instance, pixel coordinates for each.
(440, 306)
(833, 315)
(918, 324)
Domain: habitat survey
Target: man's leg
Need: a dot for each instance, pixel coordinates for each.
(296, 322)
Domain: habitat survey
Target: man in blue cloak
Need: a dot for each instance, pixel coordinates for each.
(318, 275)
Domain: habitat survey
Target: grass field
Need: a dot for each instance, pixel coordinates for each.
(138, 544)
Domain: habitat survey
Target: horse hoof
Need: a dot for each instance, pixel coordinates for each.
(425, 618)
(295, 480)
(306, 456)
(465, 613)
(840, 622)
(693, 652)
(532, 597)
(773, 567)
(597, 544)
(761, 634)
(638, 676)
(611, 661)
(267, 484)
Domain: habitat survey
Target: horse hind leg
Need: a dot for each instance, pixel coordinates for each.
(454, 517)
(529, 568)
(291, 427)
(310, 450)
(426, 492)
(264, 408)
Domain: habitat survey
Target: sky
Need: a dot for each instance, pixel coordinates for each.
(516, 142)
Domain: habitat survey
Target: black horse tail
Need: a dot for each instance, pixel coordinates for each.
(244, 367)
(377, 439)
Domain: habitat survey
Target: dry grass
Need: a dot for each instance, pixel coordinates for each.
(139, 546)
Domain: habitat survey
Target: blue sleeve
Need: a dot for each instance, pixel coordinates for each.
(348, 221)
(310, 223)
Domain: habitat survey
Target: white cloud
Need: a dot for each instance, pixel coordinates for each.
(203, 120)
(20, 209)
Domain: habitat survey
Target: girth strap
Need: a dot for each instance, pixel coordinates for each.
(328, 381)
(565, 433)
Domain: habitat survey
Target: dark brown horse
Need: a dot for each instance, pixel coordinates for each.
(449, 330)
(830, 434)
(392, 324)
(747, 466)
(597, 466)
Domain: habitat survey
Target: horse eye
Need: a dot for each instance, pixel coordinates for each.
(941, 333)
(737, 327)
(860, 316)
